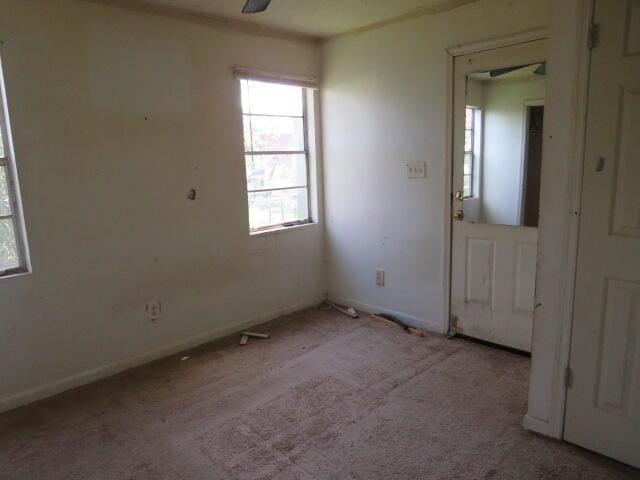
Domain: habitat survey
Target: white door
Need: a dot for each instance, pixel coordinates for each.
(493, 262)
(603, 403)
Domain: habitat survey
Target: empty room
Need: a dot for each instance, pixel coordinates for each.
(319, 239)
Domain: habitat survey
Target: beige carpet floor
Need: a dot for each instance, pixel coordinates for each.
(327, 397)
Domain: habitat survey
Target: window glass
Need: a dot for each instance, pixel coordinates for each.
(5, 203)
(468, 140)
(276, 171)
(467, 163)
(273, 134)
(277, 207)
(9, 258)
(470, 152)
(262, 98)
(468, 123)
(276, 156)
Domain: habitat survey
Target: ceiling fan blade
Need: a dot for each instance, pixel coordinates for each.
(503, 71)
(542, 69)
(255, 6)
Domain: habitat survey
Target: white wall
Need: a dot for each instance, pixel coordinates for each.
(385, 103)
(115, 116)
(502, 161)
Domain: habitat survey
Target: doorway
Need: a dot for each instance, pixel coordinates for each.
(533, 128)
(498, 113)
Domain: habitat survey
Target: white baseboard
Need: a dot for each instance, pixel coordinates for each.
(538, 425)
(411, 320)
(64, 384)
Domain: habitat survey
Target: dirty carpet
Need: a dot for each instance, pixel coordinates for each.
(327, 397)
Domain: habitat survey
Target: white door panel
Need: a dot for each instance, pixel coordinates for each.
(603, 404)
(494, 283)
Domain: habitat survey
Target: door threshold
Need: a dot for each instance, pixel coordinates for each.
(494, 345)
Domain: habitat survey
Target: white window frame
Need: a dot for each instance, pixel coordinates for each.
(475, 152)
(8, 163)
(471, 153)
(305, 152)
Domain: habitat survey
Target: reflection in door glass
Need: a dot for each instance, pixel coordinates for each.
(504, 120)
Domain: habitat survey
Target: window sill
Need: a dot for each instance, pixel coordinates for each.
(20, 273)
(279, 230)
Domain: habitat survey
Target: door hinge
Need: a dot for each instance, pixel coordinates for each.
(568, 377)
(592, 36)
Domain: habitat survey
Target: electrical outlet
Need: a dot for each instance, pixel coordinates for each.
(154, 309)
(416, 169)
(380, 277)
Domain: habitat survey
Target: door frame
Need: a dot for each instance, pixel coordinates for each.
(552, 328)
(453, 52)
(524, 150)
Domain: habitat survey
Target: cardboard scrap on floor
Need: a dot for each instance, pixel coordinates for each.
(390, 319)
(245, 336)
(350, 311)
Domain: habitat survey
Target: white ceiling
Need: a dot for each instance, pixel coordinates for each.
(318, 18)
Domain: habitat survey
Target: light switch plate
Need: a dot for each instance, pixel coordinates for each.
(416, 169)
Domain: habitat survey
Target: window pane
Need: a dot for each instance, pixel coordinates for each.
(244, 95)
(246, 120)
(467, 163)
(8, 248)
(276, 171)
(467, 186)
(468, 140)
(277, 134)
(277, 207)
(272, 99)
(5, 204)
(1, 147)
(468, 123)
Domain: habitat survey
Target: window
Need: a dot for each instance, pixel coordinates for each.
(276, 154)
(12, 253)
(471, 151)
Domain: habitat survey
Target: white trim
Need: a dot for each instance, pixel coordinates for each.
(537, 425)
(553, 426)
(305, 92)
(448, 195)
(276, 77)
(282, 229)
(15, 195)
(425, 324)
(498, 42)
(104, 371)
(314, 147)
(575, 193)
